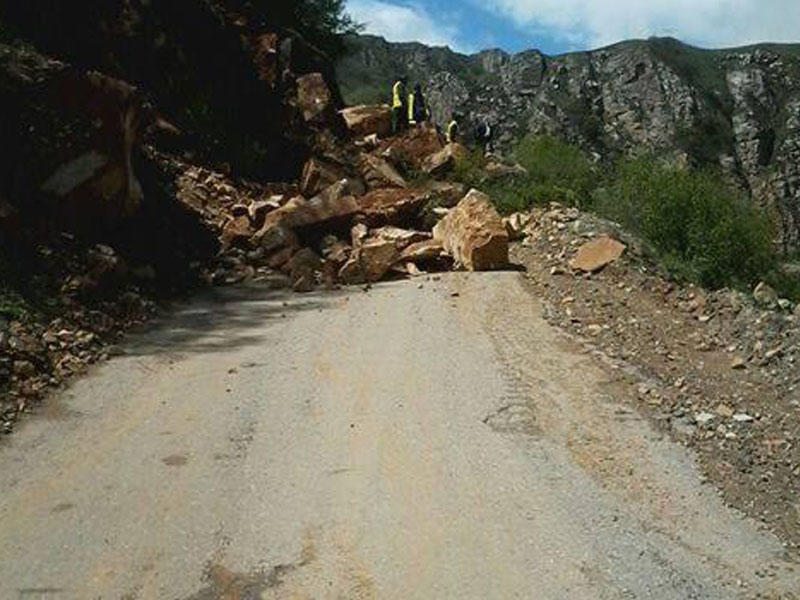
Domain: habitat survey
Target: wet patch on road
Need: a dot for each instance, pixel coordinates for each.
(175, 460)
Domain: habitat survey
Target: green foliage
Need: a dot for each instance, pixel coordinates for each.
(557, 172)
(469, 170)
(322, 22)
(704, 230)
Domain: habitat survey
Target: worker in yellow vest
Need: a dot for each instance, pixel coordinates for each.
(417, 106)
(452, 130)
(399, 107)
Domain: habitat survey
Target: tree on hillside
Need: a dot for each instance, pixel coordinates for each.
(321, 22)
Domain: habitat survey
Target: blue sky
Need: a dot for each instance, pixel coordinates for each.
(555, 26)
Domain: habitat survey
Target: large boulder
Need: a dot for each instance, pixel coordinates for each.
(595, 255)
(379, 174)
(412, 150)
(474, 234)
(363, 121)
(393, 206)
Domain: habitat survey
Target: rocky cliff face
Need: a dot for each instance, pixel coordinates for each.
(739, 109)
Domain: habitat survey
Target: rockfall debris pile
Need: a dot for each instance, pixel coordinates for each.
(716, 370)
(109, 206)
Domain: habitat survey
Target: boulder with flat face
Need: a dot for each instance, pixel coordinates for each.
(378, 173)
(363, 121)
(402, 238)
(411, 150)
(393, 206)
(370, 262)
(473, 234)
(596, 254)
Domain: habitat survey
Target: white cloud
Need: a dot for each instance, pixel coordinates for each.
(407, 22)
(712, 23)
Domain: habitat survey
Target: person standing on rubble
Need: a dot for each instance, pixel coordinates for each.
(399, 106)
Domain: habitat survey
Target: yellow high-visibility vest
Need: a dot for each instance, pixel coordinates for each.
(452, 132)
(411, 98)
(397, 95)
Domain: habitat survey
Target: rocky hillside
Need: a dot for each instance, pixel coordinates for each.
(739, 109)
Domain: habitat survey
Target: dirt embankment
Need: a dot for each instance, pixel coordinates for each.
(717, 371)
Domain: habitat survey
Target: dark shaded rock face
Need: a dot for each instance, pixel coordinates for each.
(222, 81)
(739, 109)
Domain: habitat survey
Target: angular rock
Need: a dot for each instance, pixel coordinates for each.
(380, 174)
(314, 98)
(392, 206)
(304, 266)
(445, 160)
(422, 252)
(595, 255)
(473, 234)
(363, 121)
(317, 175)
(358, 234)
(370, 262)
(401, 238)
(236, 232)
(410, 150)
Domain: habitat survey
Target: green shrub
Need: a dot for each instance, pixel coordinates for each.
(702, 227)
(557, 172)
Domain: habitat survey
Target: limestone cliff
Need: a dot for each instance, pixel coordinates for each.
(739, 109)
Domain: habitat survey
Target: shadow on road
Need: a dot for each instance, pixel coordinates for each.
(223, 319)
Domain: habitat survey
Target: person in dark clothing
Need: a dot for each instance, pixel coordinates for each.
(417, 106)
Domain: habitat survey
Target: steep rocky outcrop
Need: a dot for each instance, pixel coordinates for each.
(739, 109)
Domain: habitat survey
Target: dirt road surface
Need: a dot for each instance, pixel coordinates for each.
(433, 443)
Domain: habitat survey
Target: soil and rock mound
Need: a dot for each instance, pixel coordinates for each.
(715, 370)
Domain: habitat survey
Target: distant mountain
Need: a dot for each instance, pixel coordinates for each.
(738, 108)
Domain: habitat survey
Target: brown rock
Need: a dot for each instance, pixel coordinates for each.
(363, 121)
(259, 209)
(445, 160)
(314, 98)
(370, 262)
(236, 232)
(401, 238)
(266, 58)
(317, 175)
(280, 258)
(380, 174)
(474, 234)
(596, 254)
(304, 266)
(392, 206)
(358, 234)
(422, 252)
(414, 147)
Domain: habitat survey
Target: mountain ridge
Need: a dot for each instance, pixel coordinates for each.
(735, 108)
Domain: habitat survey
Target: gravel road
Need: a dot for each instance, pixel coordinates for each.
(434, 443)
